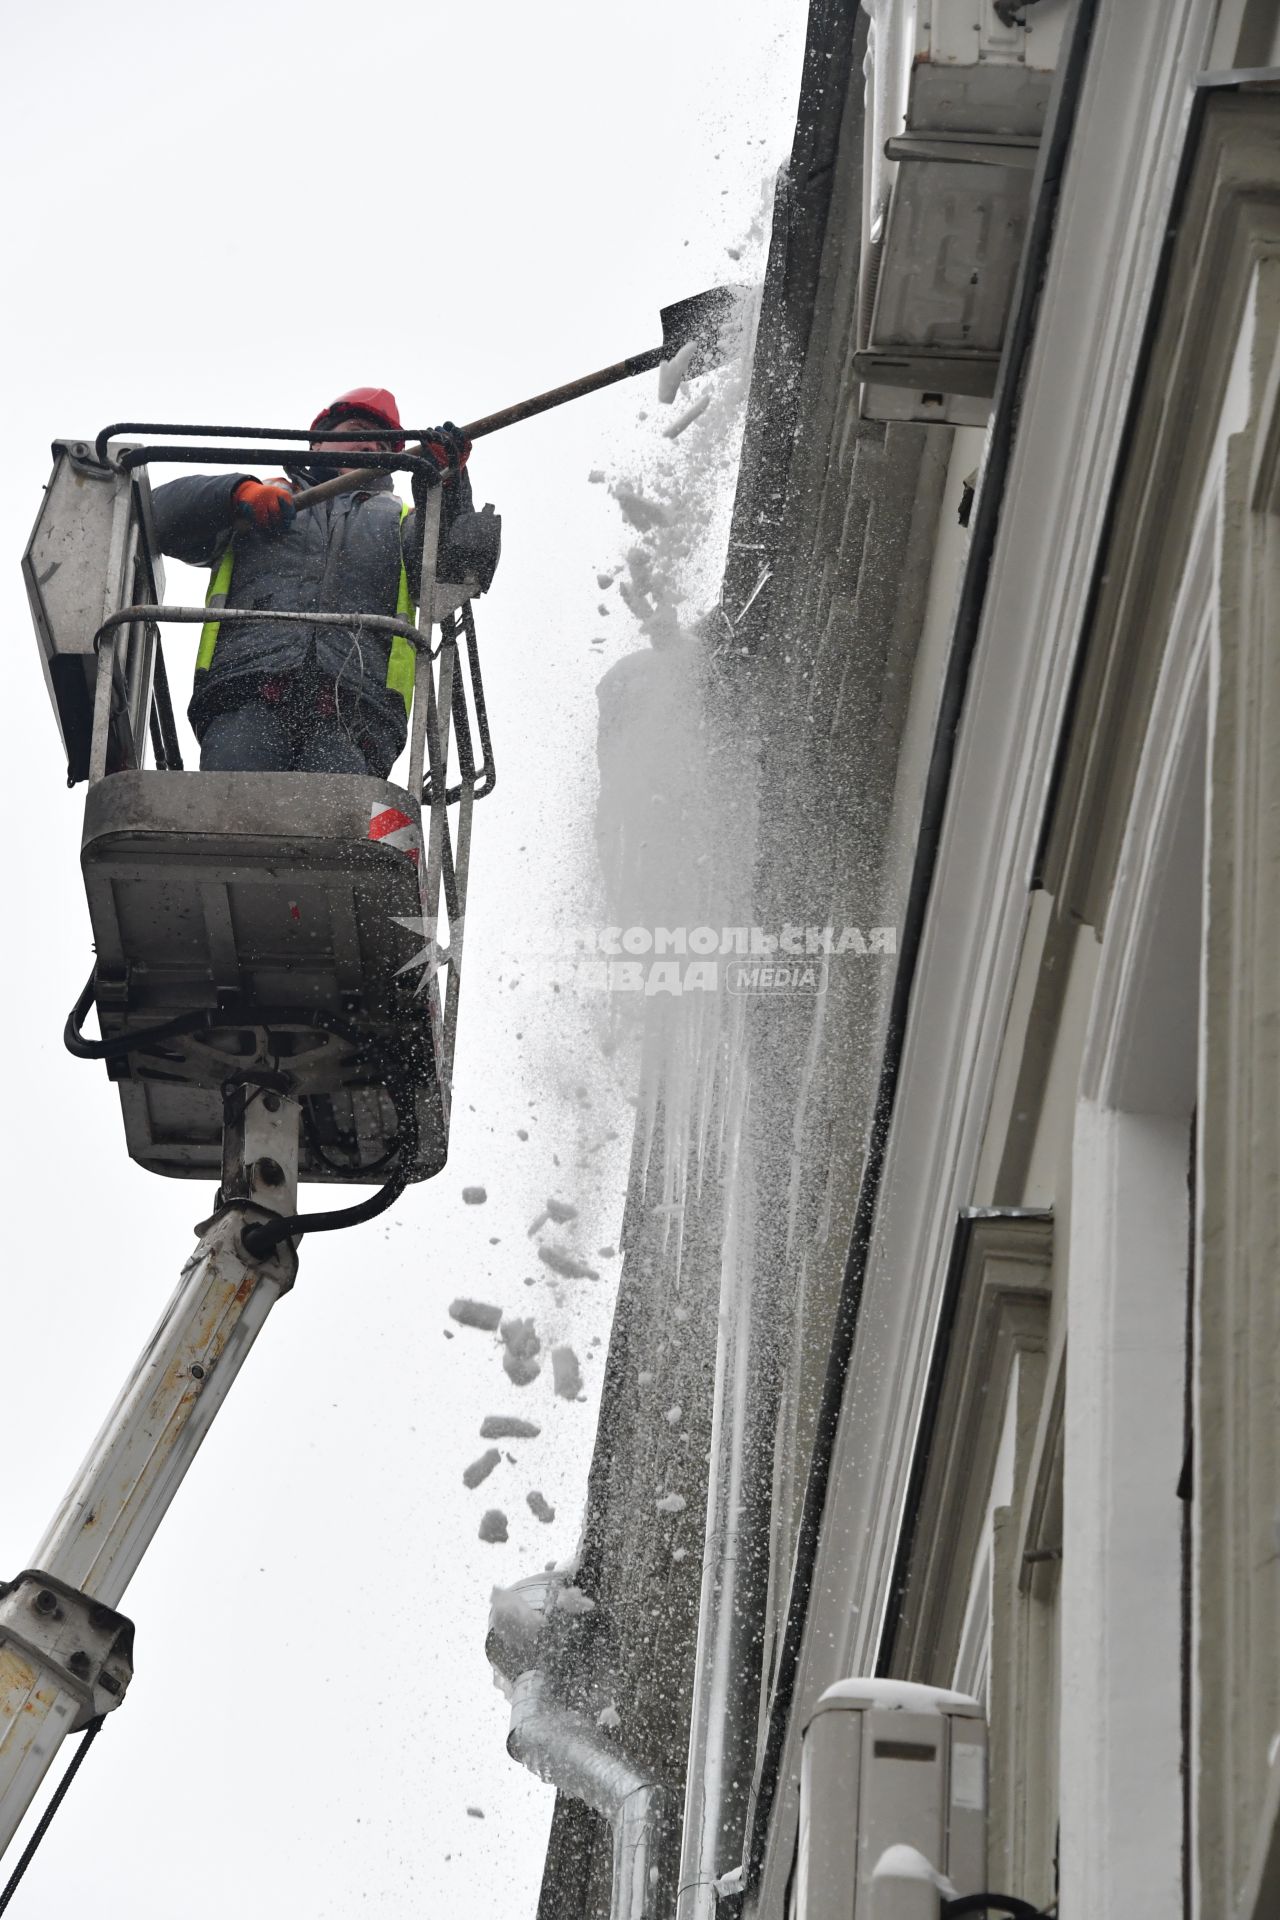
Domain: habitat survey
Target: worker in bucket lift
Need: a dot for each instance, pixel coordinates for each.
(292, 697)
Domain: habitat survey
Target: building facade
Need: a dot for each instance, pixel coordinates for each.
(964, 1272)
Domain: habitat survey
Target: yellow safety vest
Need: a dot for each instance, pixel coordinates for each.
(400, 660)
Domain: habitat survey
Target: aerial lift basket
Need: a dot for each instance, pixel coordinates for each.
(273, 930)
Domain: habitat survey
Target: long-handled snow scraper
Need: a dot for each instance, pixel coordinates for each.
(699, 323)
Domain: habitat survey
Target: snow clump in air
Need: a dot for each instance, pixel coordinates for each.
(474, 1196)
(514, 1620)
(493, 1527)
(609, 1718)
(522, 1343)
(558, 1210)
(687, 418)
(671, 373)
(566, 1265)
(480, 1469)
(639, 511)
(573, 1600)
(671, 1503)
(475, 1313)
(540, 1507)
(567, 1373)
(508, 1426)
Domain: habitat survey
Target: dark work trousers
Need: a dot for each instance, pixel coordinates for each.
(292, 725)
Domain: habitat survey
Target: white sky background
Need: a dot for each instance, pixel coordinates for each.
(199, 227)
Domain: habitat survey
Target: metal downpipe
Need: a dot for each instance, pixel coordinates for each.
(566, 1751)
(563, 1748)
(722, 1726)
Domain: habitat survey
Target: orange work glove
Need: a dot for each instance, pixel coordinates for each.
(269, 509)
(450, 449)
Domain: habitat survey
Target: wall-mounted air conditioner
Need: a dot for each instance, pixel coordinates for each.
(893, 1802)
(957, 92)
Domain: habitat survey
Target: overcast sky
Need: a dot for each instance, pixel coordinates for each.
(234, 213)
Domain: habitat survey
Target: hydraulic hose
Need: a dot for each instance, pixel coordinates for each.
(123, 1043)
(260, 1237)
(202, 1019)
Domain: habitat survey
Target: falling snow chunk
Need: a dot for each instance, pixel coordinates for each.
(596, 477)
(522, 1343)
(566, 1265)
(568, 1374)
(646, 1379)
(644, 515)
(604, 581)
(560, 1210)
(475, 1313)
(606, 1253)
(673, 1416)
(609, 1718)
(474, 1196)
(507, 1426)
(493, 1527)
(480, 1469)
(511, 1616)
(522, 1133)
(730, 1883)
(671, 374)
(540, 1507)
(538, 1223)
(671, 1503)
(573, 1600)
(475, 1813)
(680, 1553)
(687, 418)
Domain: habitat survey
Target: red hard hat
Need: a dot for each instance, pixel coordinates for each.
(376, 402)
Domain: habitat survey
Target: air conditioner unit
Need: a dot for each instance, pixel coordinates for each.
(957, 92)
(893, 1799)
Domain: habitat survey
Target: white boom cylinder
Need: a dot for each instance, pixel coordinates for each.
(110, 1513)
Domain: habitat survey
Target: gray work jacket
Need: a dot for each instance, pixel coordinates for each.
(343, 556)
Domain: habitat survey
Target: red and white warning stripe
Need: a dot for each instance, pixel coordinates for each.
(395, 829)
